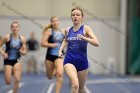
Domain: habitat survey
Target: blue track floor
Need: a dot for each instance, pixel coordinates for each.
(38, 83)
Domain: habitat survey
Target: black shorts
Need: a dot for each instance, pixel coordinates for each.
(51, 57)
(10, 62)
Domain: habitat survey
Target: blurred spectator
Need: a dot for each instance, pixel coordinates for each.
(0, 40)
(32, 46)
(1, 61)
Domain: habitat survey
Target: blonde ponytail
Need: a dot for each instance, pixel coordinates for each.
(47, 27)
(50, 25)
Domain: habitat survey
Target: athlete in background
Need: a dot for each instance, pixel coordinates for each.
(15, 47)
(52, 39)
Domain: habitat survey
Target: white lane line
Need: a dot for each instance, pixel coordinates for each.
(20, 85)
(51, 86)
(123, 89)
(45, 88)
(114, 81)
(120, 87)
(87, 90)
(100, 81)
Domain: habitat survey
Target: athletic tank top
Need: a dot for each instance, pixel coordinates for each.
(12, 48)
(77, 48)
(56, 37)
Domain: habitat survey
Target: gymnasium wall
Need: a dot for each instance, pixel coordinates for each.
(60, 8)
(109, 39)
(40, 11)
